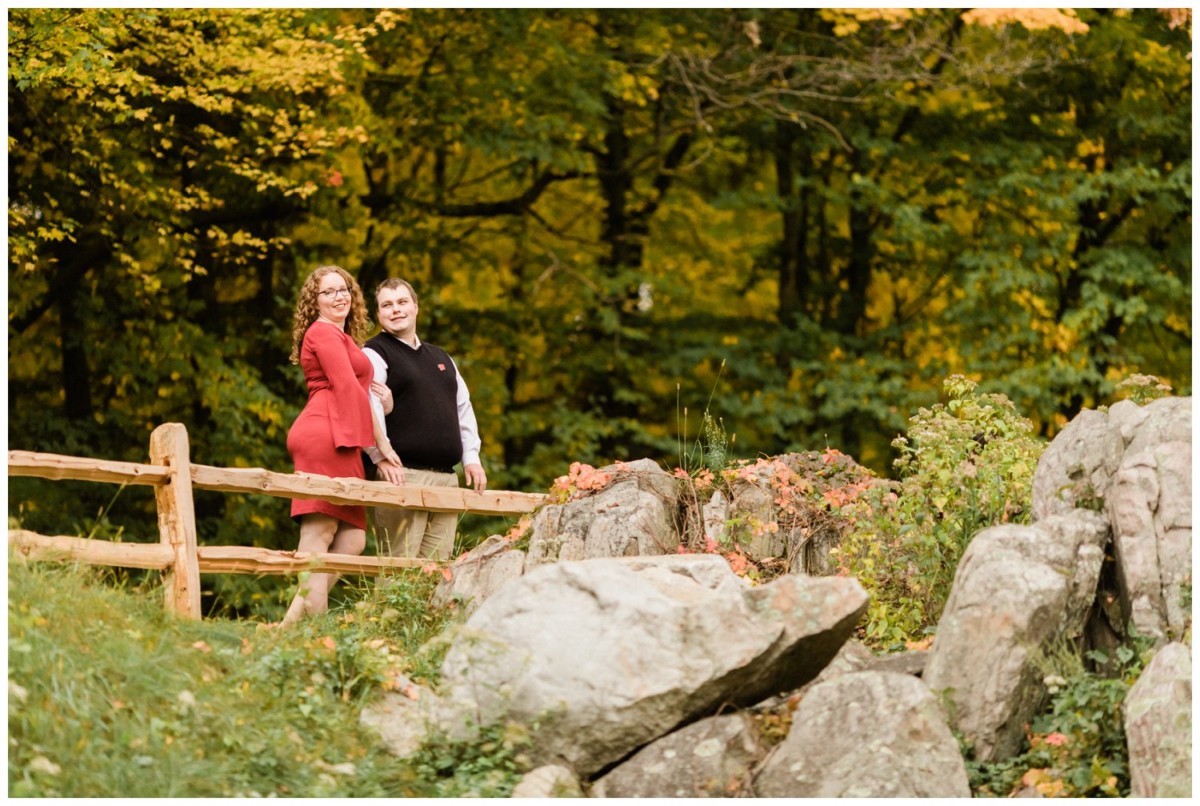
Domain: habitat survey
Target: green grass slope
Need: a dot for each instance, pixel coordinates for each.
(110, 697)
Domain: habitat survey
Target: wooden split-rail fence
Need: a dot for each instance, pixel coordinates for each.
(173, 476)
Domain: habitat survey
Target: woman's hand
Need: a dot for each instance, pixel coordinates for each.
(384, 393)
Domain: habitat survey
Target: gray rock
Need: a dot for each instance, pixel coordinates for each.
(854, 656)
(402, 722)
(632, 516)
(479, 572)
(910, 662)
(1158, 726)
(1074, 470)
(753, 506)
(866, 734)
(1017, 589)
(550, 781)
(715, 515)
(1078, 467)
(714, 757)
(1132, 464)
(1150, 508)
(817, 616)
(605, 656)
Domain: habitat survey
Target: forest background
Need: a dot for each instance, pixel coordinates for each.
(798, 221)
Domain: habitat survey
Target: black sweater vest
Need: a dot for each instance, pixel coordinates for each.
(423, 424)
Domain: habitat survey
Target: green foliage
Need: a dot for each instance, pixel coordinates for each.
(487, 767)
(964, 466)
(710, 450)
(109, 697)
(1142, 389)
(716, 452)
(1076, 746)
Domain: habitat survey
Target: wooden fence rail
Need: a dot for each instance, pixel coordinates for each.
(177, 555)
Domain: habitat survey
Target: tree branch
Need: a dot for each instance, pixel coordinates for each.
(500, 207)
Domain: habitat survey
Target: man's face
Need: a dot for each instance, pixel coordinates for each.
(397, 312)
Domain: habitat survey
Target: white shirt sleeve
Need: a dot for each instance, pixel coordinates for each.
(380, 376)
(468, 426)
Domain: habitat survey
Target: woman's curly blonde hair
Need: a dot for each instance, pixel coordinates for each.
(357, 324)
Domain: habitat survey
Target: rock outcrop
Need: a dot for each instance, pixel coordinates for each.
(1116, 481)
(866, 734)
(632, 516)
(605, 656)
(1158, 726)
(1018, 590)
(641, 672)
(714, 757)
(1133, 465)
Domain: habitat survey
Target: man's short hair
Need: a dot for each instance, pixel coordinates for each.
(391, 284)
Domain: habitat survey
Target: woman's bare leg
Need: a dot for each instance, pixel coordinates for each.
(317, 534)
(347, 540)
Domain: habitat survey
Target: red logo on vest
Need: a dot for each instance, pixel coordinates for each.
(442, 367)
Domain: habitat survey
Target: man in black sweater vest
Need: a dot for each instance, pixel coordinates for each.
(430, 422)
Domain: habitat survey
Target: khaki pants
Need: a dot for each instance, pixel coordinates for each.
(417, 532)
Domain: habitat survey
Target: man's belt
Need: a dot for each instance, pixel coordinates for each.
(407, 466)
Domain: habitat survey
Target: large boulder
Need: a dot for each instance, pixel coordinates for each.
(605, 656)
(1018, 590)
(633, 515)
(1131, 464)
(1078, 468)
(1158, 726)
(1150, 507)
(866, 734)
(714, 757)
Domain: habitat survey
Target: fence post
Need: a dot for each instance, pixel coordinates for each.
(177, 519)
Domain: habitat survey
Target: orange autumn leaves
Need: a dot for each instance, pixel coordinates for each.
(803, 496)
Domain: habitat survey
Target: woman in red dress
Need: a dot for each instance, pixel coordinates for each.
(336, 423)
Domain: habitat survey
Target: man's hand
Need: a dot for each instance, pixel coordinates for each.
(391, 471)
(384, 393)
(476, 478)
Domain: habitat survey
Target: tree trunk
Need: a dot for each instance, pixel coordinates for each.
(852, 306)
(76, 378)
(791, 160)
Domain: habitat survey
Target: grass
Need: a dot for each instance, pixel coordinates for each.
(111, 697)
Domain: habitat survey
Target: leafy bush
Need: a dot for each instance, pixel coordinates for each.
(964, 466)
(490, 766)
(1076, 747)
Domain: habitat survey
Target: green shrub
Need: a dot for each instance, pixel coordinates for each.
(488, 767)
(1076, 746)
(964, 466)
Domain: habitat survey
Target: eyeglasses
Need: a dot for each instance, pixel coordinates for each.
(334, 293)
